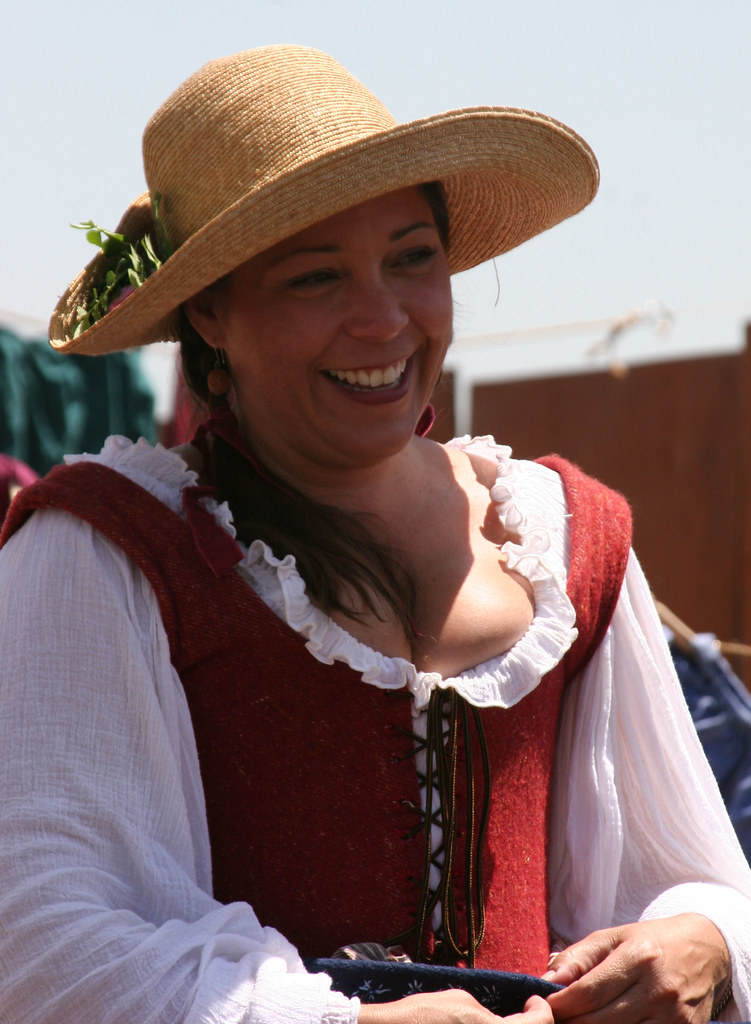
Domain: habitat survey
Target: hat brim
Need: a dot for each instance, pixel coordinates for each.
(509, 174)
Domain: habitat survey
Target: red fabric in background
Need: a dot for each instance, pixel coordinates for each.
(13, 473)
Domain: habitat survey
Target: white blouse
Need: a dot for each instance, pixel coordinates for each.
(105, 906)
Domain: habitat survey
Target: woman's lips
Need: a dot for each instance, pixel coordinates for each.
(369, 380)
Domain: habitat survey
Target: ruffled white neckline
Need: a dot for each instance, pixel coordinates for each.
(531, 506)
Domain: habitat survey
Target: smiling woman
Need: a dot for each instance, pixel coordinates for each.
(335, 339)
(322, 680)
(352, 296)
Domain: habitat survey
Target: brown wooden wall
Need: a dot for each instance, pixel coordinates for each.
(674, 438)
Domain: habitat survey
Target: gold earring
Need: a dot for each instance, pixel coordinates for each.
(218, 380)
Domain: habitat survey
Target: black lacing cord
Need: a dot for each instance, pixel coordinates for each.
(475, 834)
(448, 716)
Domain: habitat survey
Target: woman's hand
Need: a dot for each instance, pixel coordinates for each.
(452, 1007)
(671, 969)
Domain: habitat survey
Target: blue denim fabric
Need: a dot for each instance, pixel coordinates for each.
(720, 706)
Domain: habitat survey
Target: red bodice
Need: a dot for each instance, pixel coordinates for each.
(307, 771)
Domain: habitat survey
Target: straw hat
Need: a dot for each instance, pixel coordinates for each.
(258, 146)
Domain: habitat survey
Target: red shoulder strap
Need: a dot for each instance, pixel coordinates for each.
(600, 530)
(120, 509)
(178, 558)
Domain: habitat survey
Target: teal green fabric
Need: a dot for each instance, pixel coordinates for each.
(54, 405)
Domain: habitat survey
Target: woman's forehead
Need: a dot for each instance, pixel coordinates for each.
(391, 215)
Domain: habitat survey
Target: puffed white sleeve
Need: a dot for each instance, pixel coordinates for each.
(105, 906)
(638, 828)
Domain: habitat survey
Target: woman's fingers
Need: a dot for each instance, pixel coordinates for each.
(665, 970)
(452, 1007)
(536, 1011)
(580, 958)
(607, 974)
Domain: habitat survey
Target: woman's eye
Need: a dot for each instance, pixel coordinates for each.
(314, 279)
(417, 257)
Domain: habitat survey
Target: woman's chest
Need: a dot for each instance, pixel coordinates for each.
(470, 606)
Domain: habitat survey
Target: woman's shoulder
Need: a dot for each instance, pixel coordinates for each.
(54, 509)
(484, 448)
(163, 472)
(510, 479)
(79, 496)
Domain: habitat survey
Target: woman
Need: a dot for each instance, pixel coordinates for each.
(425, 685)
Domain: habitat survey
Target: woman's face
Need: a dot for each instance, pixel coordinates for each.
(335, 337)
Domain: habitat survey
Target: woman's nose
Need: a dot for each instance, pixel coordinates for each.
(375, 313)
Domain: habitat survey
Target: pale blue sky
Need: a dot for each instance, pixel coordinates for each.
(661, 90)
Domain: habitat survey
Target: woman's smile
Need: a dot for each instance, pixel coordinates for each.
(335, 338)
(368, 380)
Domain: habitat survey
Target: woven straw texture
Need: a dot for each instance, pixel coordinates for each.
(258, 146)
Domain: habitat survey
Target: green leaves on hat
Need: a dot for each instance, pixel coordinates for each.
(128, 264)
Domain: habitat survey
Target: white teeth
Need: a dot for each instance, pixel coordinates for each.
(371, 378)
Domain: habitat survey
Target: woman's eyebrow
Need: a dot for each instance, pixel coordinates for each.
(315, 249)
(302, 251)
(401, 232)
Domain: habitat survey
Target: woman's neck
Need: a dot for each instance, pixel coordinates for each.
(388, 488)
(393, 487)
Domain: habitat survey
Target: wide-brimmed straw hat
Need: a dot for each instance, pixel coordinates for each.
(258, 146)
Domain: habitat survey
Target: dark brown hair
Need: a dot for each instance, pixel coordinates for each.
(344, 567)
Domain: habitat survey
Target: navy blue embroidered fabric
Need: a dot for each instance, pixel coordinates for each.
(382, 982)
(374, 981)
